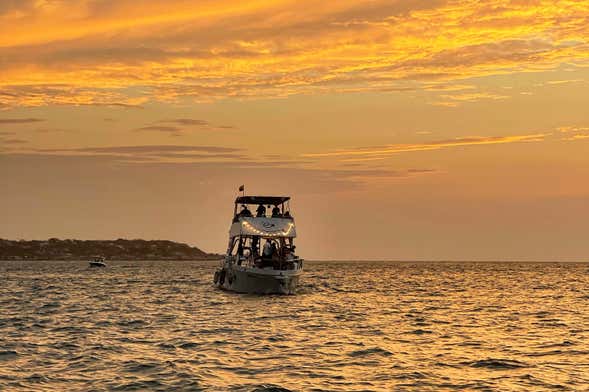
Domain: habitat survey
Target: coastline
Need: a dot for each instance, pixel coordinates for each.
(55, 249)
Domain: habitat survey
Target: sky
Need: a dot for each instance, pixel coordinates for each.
(402, 129)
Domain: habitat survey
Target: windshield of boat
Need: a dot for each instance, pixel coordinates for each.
(262, 207)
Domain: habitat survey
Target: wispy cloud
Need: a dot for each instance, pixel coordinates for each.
(161, 128)
(572, 129)
(53, 130)
(12, 141)
(376, 174)
(379, 152)
(145, 153)
(454, 99)
(577, 137)
(188, 121)
(146, 149)
(567, 81)
(71, 94)
(180, 126)
(160, 155)
(13, 121)
(63, 53)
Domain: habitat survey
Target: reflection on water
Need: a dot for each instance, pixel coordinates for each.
(354, 326)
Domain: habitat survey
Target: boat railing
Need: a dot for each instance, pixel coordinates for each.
(293, 263)
(282, 216)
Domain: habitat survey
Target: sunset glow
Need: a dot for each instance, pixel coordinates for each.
(438, 129)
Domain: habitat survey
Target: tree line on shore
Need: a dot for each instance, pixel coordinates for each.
(120, 249)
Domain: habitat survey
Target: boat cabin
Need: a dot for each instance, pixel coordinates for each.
(262, 233)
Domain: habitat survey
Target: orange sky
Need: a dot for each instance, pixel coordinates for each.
(405, 129)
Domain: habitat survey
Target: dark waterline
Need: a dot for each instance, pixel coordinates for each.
(369, 326)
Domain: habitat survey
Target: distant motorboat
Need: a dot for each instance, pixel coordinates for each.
(98, 262)
(260, 255)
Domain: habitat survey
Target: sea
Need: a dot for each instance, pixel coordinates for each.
(352, 326)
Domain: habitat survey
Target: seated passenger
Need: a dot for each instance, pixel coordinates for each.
(268, 249)
(275, 212)
(245, 211)
(275, 250)
(255, 247)
(261, 211)
(287, 214)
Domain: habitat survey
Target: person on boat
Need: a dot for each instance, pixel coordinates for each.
(268, 250)
(274, 249)
(261, 211)
(245, 211)
(240, 249)
(255, 246)
(275, 212)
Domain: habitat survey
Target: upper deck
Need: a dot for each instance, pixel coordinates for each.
(264, 216)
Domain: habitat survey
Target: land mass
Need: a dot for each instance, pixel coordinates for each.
(121, 249)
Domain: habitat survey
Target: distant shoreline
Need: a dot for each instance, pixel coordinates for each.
(55, 249)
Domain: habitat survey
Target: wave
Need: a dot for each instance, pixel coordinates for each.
(260, 388)
(498, 364)
(370, 351)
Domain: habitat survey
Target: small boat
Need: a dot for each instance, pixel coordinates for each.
(260, 256)
(98, 262)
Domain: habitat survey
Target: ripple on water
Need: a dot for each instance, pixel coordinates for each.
(188, 345)
(260, 388)
(142, 385)
(370, 351)
(497, 364)
(140, 367)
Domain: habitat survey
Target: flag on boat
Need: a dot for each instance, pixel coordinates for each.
(242, 188)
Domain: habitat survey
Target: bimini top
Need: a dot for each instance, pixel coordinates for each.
(275, 200)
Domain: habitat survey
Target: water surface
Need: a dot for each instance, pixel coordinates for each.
(354, 326)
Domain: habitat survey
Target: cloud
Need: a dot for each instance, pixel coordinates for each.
(161, 128)
(448, 87)
(146, 149)
(12, 141)
(377, 173)
(577, 137)
(19, 120)
(116, 53)
(201, 156)
(380, 152)
(52, 130)
(179, 126)
(187, 121)
(471, 97)
(572, 129)
(141, 154)
(157, 157)
(565, 81)
(28, 95)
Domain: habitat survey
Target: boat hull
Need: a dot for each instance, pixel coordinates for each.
(257, 280)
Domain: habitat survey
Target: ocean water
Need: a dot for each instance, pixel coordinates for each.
(353, 326)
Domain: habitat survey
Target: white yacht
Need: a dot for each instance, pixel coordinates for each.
(261, 252)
